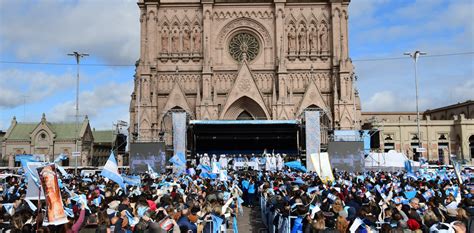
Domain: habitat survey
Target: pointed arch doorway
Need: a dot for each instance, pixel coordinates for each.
(245, 108)
(244, 115)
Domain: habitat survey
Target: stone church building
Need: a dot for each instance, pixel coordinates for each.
(240, 59)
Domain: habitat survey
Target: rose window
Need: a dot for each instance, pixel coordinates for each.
(244, 44)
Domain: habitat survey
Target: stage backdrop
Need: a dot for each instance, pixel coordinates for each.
(347, 156)
(144, 153)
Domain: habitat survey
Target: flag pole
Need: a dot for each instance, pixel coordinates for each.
(39, 209)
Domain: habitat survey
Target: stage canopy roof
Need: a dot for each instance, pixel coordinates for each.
(243, 122)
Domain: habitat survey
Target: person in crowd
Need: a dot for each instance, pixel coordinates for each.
(290, 200)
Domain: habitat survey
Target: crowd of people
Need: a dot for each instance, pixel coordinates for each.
(289, 200)
(166, 203)
(368, 202)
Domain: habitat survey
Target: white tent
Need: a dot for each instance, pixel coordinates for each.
(391, 159)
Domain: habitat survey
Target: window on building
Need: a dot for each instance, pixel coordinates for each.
(471, 146)
(442, 151)
(388, 146)
(65, 162)
(416, 155)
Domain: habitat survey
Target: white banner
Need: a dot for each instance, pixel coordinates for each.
(179, 132)
(313, 137)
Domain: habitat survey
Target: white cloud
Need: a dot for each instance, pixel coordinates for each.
(102, 105)
(389, 28)
(463, 92)
(47, 29)
(34, 85)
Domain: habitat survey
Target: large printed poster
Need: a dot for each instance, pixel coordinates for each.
(313, 137)
(54, 202)
(179, 132)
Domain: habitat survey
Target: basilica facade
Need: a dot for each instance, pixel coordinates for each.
(232, 60)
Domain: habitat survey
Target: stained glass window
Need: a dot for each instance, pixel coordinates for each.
(244, 43)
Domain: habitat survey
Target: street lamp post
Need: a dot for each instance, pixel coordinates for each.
(78, 57)
(415, 55)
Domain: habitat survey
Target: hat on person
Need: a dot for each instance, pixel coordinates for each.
(413, 224)
(114, 205)
(151, 204)
(343, 214)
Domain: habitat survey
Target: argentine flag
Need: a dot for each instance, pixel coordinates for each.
(179, 162)
(110, 170)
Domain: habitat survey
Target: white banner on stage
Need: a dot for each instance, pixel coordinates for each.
(313, 137)
(179, 132)
(252, 164)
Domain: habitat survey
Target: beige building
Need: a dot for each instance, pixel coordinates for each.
(52, 139)
(49, 139)
(231, 59)
(444, 131)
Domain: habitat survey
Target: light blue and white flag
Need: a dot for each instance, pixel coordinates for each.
(111, 172)
(60, 157)
(131, 220)
(31, 205)
(97, 201)
(141, 210)
(203, 167)
(234, 225)
(240, 201)
(82, 200)
(152, 172)
(296, 165)
(9, 208)
(132, 180)
(408, 167)
(179, 163)
(87, 180)
(63, 172)
(457, 170)
(28, 172)
(69, 212)
(216, 223)
(410, 194)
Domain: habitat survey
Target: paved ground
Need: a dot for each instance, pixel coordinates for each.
(251, 221)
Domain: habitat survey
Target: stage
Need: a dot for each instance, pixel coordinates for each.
(244, 137)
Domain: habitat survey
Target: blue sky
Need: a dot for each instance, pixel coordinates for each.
(45, 31)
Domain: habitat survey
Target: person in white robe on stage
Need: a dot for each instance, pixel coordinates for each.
(279, 162)
(214, 165)
(273, 163)
(223, 161)
(205, 160)
(268, 162)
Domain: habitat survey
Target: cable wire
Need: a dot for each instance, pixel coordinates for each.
(129, 65)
